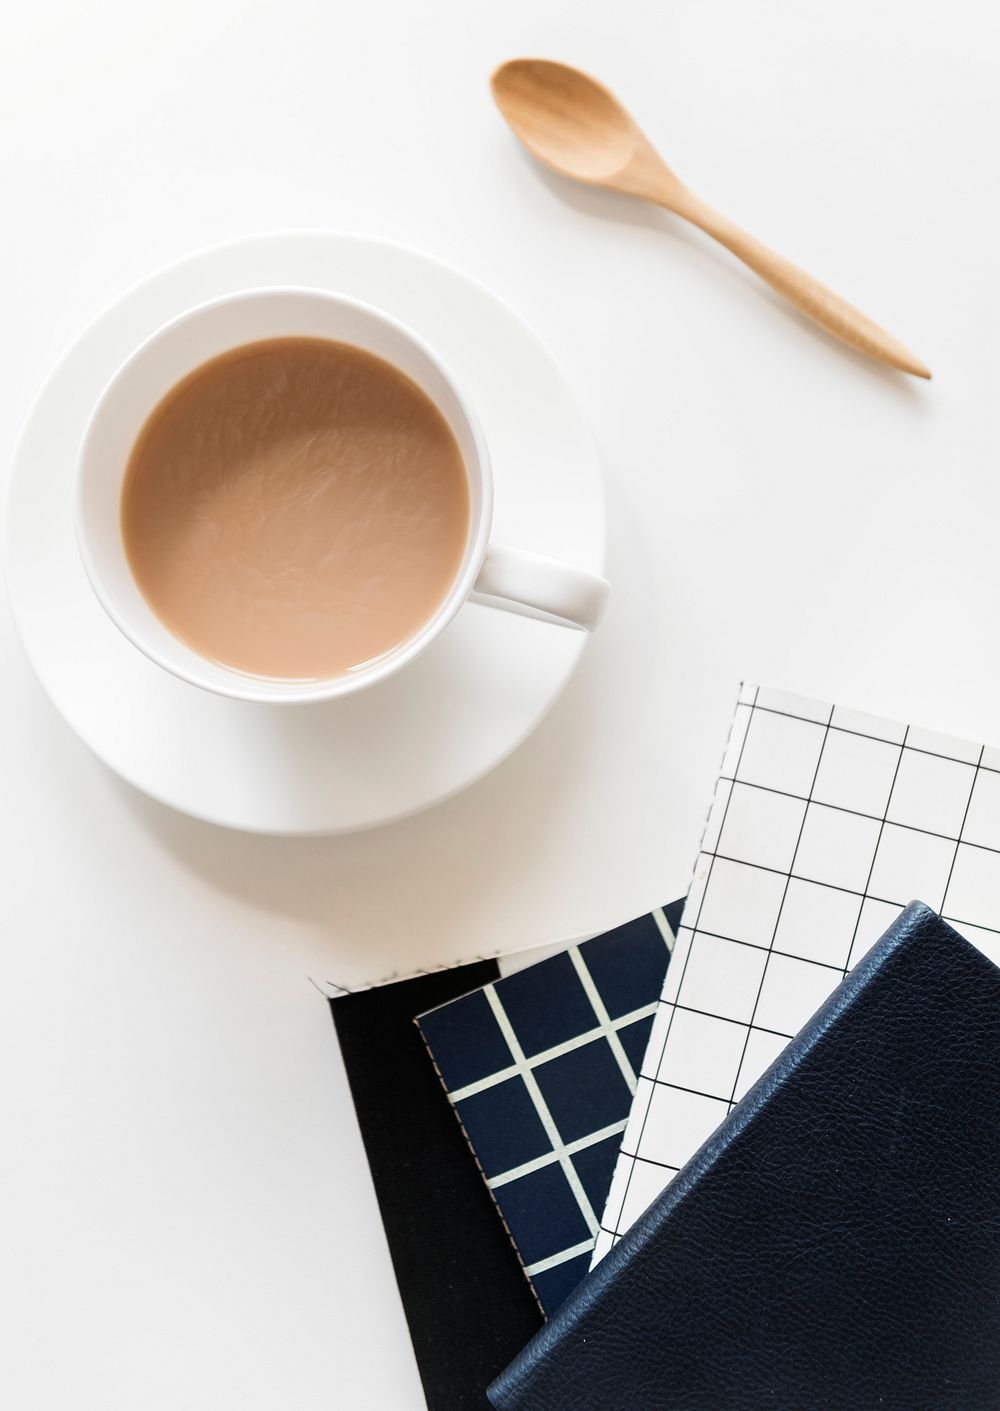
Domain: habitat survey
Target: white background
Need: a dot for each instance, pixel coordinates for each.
(187, 1211)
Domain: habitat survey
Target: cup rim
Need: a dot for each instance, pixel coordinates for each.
(279, 690)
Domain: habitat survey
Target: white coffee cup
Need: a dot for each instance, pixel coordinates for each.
(491, 573)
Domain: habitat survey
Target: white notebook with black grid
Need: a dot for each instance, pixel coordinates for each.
(825, 823)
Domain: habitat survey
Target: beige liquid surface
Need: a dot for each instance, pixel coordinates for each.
(295, 508)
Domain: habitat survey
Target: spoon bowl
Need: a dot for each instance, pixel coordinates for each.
(566, 119)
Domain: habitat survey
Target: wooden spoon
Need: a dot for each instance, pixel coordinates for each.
(574, 125)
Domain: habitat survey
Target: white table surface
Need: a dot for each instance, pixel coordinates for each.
(187, 1216)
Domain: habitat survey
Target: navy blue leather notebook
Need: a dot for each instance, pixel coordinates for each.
(835, 1245)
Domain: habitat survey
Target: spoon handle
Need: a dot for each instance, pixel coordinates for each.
(831, 312)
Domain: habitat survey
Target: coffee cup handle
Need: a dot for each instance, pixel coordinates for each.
(517, 581)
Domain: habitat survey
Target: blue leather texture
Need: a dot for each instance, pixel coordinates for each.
(835, 1245)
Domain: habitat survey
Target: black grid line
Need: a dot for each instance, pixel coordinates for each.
(860, 813)
(722, 1018)
(960, 921)
(880, 739)
(641, 1135)
(687, 955)
(696, 1092)
(780, 872)
(781, 905)
(961, 829)
(833, 886)
(773, 950)
(647, 1161)
(878, 840)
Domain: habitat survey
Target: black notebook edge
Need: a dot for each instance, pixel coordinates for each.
(498, 1209)
(467, 1303)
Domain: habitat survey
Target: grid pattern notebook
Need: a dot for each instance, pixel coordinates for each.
(825, 823)
(540, 1068)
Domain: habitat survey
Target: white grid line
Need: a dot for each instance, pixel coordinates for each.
(549, 1157)
(541, 1107)
(663, 925)
(556, 1051)
(563, 1257)
(603, 1017)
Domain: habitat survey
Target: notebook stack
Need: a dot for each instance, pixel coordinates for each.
(766, 1175)
(473, 1286)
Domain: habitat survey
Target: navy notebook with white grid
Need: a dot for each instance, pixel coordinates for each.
(541, 1068)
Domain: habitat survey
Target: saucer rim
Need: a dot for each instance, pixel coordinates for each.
(596, 495)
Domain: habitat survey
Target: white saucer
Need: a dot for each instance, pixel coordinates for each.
(402, 745)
